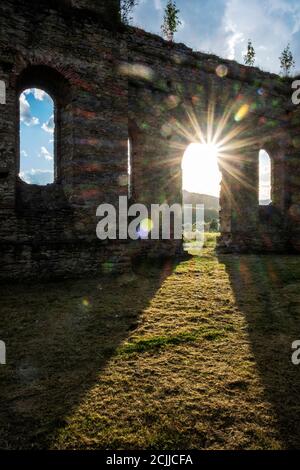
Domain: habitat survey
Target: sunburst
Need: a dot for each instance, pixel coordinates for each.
(222, 142)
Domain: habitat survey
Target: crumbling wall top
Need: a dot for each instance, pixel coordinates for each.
(106, 12)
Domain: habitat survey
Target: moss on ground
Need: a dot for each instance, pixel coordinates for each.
(189, 355)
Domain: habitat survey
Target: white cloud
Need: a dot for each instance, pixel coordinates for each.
(49, 125)
(44, 153)
(38, 94)
(25, 112)
(228, 25)
(37, 176)
(270, 25)
(158, 5)
(24, 153)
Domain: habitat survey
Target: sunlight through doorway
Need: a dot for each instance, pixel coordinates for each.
(200, 170)
(201, 183)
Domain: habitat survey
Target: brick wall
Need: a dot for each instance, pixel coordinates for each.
(111, 84)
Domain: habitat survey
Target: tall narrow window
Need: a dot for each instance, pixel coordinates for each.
(2, 92)
(36, 137)
(265, 178)
(129, 169)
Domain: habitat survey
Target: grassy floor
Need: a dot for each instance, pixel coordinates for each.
(190, 355)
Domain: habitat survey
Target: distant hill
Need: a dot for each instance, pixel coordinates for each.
(211, 204)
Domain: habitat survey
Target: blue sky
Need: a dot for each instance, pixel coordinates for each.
(36, 137)
(222, 27)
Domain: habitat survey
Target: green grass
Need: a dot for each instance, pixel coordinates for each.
(155, 343)
(192, 355)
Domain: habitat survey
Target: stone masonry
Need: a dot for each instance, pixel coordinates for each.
(111, 83)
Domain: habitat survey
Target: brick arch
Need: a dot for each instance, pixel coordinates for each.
(46, 78)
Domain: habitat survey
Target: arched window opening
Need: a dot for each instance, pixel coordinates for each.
(37, 137)
(265, 178)
(45, 136)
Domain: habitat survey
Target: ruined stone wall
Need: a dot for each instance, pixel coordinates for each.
(292, 194)
(51, 230)
(111, 84)
(173, 92)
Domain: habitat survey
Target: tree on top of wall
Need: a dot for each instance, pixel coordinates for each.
(287, 62)
(126, 10)
(171, 20)
(249, 58)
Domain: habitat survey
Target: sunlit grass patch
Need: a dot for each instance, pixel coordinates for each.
(183, 337)
(187, 356)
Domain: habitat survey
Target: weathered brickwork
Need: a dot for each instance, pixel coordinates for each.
(110, 84)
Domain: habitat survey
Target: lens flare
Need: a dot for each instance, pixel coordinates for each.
(86, 303)
(145, 228)
(139, 71)
(223, 134)
(222, 71)
(123, 180)
(242, 113)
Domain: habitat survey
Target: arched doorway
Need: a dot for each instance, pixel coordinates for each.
(201, 182)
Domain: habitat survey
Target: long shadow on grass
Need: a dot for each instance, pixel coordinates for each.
(59, 336)
(267, 290)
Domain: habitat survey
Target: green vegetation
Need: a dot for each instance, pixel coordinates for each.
(171, 20)
(249, 58)
(214, 225)
(287, 62)
(127, 7)
(189, 355)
